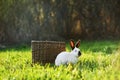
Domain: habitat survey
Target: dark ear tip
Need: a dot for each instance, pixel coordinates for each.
(71, 40)
(79, 40)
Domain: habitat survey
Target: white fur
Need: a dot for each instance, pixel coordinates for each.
(67, 57)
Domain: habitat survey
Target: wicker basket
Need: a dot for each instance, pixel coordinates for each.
(46, 51)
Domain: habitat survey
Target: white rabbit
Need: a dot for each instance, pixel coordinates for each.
(69, 57)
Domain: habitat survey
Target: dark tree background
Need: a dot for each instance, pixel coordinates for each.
(24, 20)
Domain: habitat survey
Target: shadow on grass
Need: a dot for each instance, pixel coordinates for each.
(107, 50)
(90, 65)
(22, 47)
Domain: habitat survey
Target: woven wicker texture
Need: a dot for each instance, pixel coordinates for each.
(46, 51)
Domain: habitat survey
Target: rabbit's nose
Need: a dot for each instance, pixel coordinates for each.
(79, 53)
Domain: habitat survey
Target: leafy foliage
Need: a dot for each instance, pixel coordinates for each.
(24, 20)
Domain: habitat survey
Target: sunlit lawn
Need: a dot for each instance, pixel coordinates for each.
(100, 60)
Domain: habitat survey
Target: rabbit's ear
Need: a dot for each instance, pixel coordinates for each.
(72, 44)
(77, 43)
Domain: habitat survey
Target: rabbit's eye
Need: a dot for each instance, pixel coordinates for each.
(75, 50)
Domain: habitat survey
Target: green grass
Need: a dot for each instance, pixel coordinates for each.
(100, 60)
